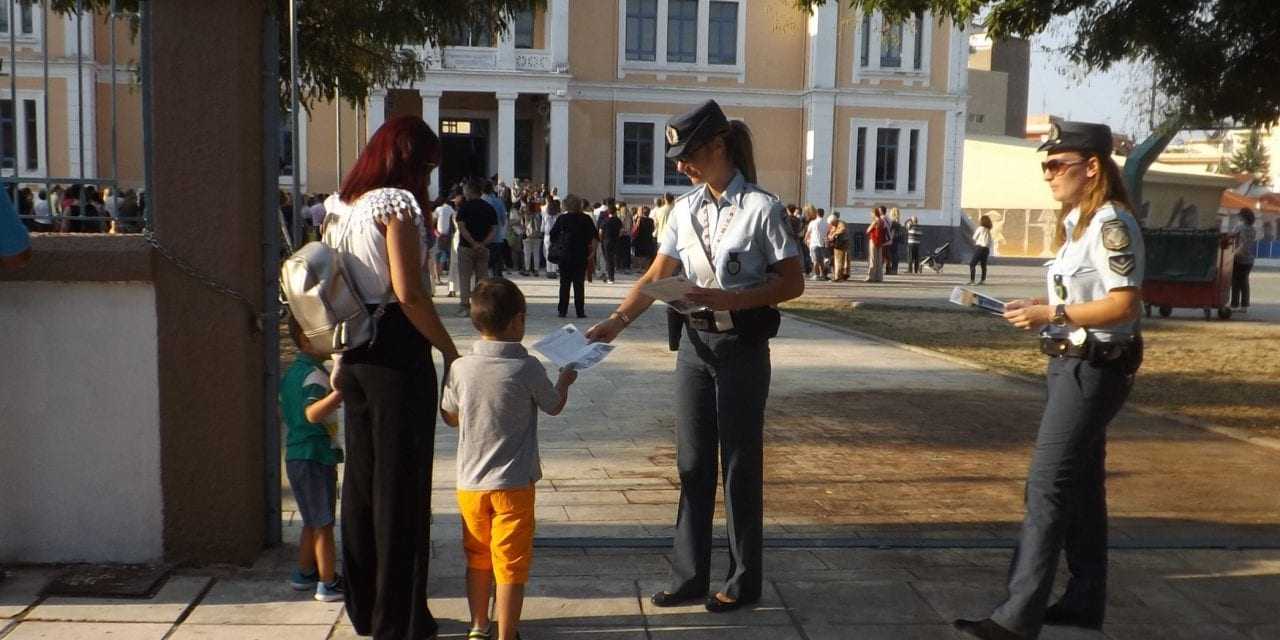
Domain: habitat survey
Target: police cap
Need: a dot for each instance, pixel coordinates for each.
(687, 132)
(1078, 136)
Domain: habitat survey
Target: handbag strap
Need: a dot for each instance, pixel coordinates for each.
(343, 240)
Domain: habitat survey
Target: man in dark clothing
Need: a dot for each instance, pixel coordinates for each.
(478, 225)
(610, 233)
(574, 236)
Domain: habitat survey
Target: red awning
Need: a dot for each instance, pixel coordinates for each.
(1269, 203)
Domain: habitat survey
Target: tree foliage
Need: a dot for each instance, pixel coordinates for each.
(348, 47)
(1251, 159)
(1216, 59)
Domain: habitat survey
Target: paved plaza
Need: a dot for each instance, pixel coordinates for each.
(893, 490)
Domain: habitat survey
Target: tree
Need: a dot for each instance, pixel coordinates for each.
(1212, 58)
(1252, 159)
(348, 47)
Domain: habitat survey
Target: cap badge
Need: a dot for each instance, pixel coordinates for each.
(673, 136)
(1054, 132)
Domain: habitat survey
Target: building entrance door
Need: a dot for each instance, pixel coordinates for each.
(465, 150)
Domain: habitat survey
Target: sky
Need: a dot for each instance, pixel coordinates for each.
(1056, 89)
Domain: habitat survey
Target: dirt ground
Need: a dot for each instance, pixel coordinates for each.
(1228, 374)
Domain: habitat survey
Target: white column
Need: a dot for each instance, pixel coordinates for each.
(558, 34)
(375, 112)
(506, 136)
(823, 26)
(559, 159)
(431, 115)
(820, 110)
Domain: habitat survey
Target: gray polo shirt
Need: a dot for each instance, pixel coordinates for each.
(496, 392)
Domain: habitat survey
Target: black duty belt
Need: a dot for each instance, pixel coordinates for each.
(1092, 350)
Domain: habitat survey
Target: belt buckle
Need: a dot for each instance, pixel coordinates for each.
(701, 322)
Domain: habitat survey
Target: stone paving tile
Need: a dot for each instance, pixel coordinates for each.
(1152, 601)
(251, 632)
(1234, 599)
(961, 599)
(87, 631)
(583, 633)
(627, 513)
(633, 565)
(1174, 632)
(168, 604)
(882, 632)
(845, 603)
(21, 588)
(239, 601)
(575, 602)
(571, 497)
(717, 633)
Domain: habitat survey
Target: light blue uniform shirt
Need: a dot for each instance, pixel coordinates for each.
(500, 209)
(757, 235)
(1109, 255)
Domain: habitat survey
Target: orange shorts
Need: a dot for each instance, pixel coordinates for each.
(497, 532)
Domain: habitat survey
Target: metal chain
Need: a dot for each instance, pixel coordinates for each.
(259, 317)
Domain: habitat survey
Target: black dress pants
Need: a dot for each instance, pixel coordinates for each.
(389, 396)
(1240, 284)
(610, 250)
(574, 276)
(980, 255)
(722, 383)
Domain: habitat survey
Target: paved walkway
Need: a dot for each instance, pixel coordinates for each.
(893, 487)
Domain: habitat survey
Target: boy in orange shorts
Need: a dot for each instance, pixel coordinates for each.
(494, 395)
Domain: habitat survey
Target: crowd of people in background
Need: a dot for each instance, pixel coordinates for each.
(79, 208)
(830, 243)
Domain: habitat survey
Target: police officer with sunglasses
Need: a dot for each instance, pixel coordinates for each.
(1089, 329)
(733, 240)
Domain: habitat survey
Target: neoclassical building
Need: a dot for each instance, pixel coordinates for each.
(848, 110)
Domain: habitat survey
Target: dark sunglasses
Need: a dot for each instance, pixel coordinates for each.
(1056, 167)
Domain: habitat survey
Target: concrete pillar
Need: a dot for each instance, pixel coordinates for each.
(212, 388)
(431, 115)
(376, 111)
(559, 150)
(506, 136)
(558, 34)
(819, 115)
(823, 29)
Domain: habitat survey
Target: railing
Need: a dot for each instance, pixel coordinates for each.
(81, 200)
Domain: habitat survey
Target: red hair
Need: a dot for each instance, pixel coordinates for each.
(401, 155)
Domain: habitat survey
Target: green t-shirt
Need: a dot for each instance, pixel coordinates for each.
(304, 383)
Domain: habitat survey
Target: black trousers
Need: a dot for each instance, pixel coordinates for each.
(497, 258)
(1066, 496)
(574, 276)
(611, 258)
(389, 396)
(1240, 284)
(913, 257)
(722, 383)
(980, 255)
(895, 253)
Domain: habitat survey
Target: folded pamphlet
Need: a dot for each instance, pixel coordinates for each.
(672, 291)
(568, 348)
(970, 298)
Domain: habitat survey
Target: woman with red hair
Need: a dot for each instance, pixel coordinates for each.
(389, 385)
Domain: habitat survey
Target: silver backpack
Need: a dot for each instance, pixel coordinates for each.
(325, 299)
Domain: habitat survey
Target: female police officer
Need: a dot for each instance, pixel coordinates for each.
(732, 239)
(1089, 330)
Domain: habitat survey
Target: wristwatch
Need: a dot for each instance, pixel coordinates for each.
(1060, 315)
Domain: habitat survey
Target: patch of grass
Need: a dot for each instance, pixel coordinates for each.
(1227, 373)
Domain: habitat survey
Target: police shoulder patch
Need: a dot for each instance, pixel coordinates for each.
(1115, 235)
(1122, 264)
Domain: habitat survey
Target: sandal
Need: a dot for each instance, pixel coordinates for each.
(479, 634)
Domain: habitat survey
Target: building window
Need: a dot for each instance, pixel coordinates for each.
(722, 33)
(467, 37)
(893, 47)
(860, 162)
(686, 35)
(642, 30)
(637, 153)
(20, 135)
(682, 31)
(523, 29)
(32, 130)
(455, 127)
(25, 22)
(285, 145)
(888, 159)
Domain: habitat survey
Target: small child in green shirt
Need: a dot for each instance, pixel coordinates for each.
(308, 403)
